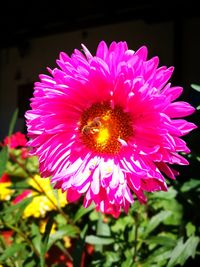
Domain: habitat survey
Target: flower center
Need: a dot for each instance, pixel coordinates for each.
(105, 129)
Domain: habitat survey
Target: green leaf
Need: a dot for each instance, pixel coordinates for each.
(170, 194)
(111, 257)
(122, 223)
(176, 212)
(46, 235)
(79, 247)
(99, 240)
(3, 159)
(30, 262)
(13, 122)
(18, 208)
(21, 185)
(157, 258)
(187, 186)
(190, 249)
(190, 229)
(156, 220)
(82, 211)
(195, 87)
(13, 169)
(45, 239)
(183, 251)
(66, 230)
(128, 262)
(11, 251)
(102, 228)
(161, 240)
(60, 220)
(32, 164)
(93, 216)
(36, 236)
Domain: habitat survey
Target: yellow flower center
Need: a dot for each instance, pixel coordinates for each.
(103, 136)
(104, 129)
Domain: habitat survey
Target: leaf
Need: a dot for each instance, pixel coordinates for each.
(159, 257)
(112, 257)
(82, 211)
(183, 251)
(36, 237)
(93, 216)
(3, 159)
(18, 208)
(99, 240)
(176, 212)
(170, 194)
(46, 235)
(195, 87)
(31, 260)
(156, 220)
(190, 229)
(161, 240)
(10, 251)
(102, 228)
(66, 230)
(13, 169)
(32, 164)
(128, 262)
(13, 122)
(190, 249)
(79, 247)
(45, 239)
(187, 186)
(122, 223)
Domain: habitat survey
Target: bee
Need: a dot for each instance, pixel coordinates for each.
(92, 127)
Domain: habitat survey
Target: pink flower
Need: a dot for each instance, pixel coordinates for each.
(15, 140)
(22, 196)
(107, 126)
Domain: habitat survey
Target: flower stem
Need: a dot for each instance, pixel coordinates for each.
(136, 237)
(23, 235)
(99, 231)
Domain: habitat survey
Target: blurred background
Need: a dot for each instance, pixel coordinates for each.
(32, 35)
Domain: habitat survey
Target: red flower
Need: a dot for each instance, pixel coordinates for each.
(15, 140)
(7, 236)
(5, 178)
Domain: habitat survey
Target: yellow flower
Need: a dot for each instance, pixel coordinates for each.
(67, 242)
(45, 198)
(42, 226)
(5, 192)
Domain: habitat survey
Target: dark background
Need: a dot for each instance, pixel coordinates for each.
(23, 20)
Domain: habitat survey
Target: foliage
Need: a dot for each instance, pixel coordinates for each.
(164, 232)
